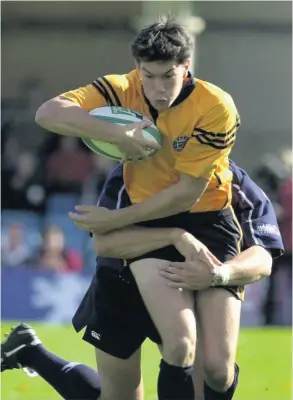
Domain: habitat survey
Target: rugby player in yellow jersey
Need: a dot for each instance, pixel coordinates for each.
(186, 184)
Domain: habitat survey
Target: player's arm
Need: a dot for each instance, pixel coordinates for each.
(172, 200)
(249, 266)
(65, 117)
(134, 241)
(68, 113)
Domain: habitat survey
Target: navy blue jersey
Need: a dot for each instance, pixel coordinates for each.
(255, 213)
(252, 207)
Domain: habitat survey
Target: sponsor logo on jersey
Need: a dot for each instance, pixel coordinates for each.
(268, 229)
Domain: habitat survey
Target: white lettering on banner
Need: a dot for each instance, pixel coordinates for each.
(59, 295)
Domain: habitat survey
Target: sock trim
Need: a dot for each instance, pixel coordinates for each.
(68, 367)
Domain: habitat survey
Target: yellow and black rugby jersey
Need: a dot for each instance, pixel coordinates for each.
(198, 130)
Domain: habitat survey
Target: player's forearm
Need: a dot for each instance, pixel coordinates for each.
(134, 241)
(173, 200)
(249, 266)
(64, 117)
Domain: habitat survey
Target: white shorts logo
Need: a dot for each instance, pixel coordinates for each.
(96, 335)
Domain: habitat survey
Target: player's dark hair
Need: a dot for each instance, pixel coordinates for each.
(164, 40)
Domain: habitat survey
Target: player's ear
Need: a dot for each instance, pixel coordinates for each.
(187, 65)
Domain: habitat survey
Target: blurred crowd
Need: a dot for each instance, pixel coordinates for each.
(52, 252)
(44, 175)
(274, 175)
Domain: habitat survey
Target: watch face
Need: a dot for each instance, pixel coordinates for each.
(218, 280)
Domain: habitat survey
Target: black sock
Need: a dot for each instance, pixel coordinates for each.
(70, 380)
(175, 383)
(210, 394)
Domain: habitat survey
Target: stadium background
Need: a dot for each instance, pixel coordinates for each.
(50, 47)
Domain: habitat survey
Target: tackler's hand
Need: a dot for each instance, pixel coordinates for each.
(93, 219)
(191, 275)
(193, 249)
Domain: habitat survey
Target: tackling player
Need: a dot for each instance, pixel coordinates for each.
(186, 184)
(254, 211)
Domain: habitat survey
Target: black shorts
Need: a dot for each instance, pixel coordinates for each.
(113, 312)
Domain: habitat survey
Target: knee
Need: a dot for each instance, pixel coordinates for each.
(218, 375)
(126, 389)
(180, 352)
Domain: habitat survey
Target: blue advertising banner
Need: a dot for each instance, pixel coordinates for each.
(31, 294)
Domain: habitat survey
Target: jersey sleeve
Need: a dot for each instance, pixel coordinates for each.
(108, 90)
(211, 141)
(256, 216)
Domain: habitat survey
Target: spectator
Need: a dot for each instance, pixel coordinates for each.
(278, 306)
(55, 255)
(23, 187)
(15, 250)
(68, 167)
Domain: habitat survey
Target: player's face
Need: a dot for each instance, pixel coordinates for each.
(162, 81)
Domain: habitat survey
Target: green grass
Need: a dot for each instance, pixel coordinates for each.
(264, 357)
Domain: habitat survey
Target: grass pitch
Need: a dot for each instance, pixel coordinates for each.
(264, 356)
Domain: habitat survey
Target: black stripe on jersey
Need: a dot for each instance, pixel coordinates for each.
(217, 140)
(94, 83)
(236, 126)
(227, 140)
(200, 139)
(218, 179)
(113, 91)
(100, 87)
(107, 91)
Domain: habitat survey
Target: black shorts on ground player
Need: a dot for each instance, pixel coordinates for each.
(112, 311)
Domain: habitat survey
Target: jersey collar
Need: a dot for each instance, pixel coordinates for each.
(188, 87)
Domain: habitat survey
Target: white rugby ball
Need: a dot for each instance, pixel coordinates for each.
(120, 116)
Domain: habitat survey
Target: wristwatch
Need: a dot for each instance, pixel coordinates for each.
(221, 276)
(218, 280)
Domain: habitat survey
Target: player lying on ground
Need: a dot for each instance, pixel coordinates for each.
(185, 184)
(74, 380)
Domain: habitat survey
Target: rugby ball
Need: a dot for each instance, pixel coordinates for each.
(120, 116)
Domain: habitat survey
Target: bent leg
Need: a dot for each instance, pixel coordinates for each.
(172, 313)
(218, 313)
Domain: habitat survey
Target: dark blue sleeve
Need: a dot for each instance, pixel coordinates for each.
(255, 213)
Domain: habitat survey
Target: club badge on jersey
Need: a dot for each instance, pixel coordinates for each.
(180, 143)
